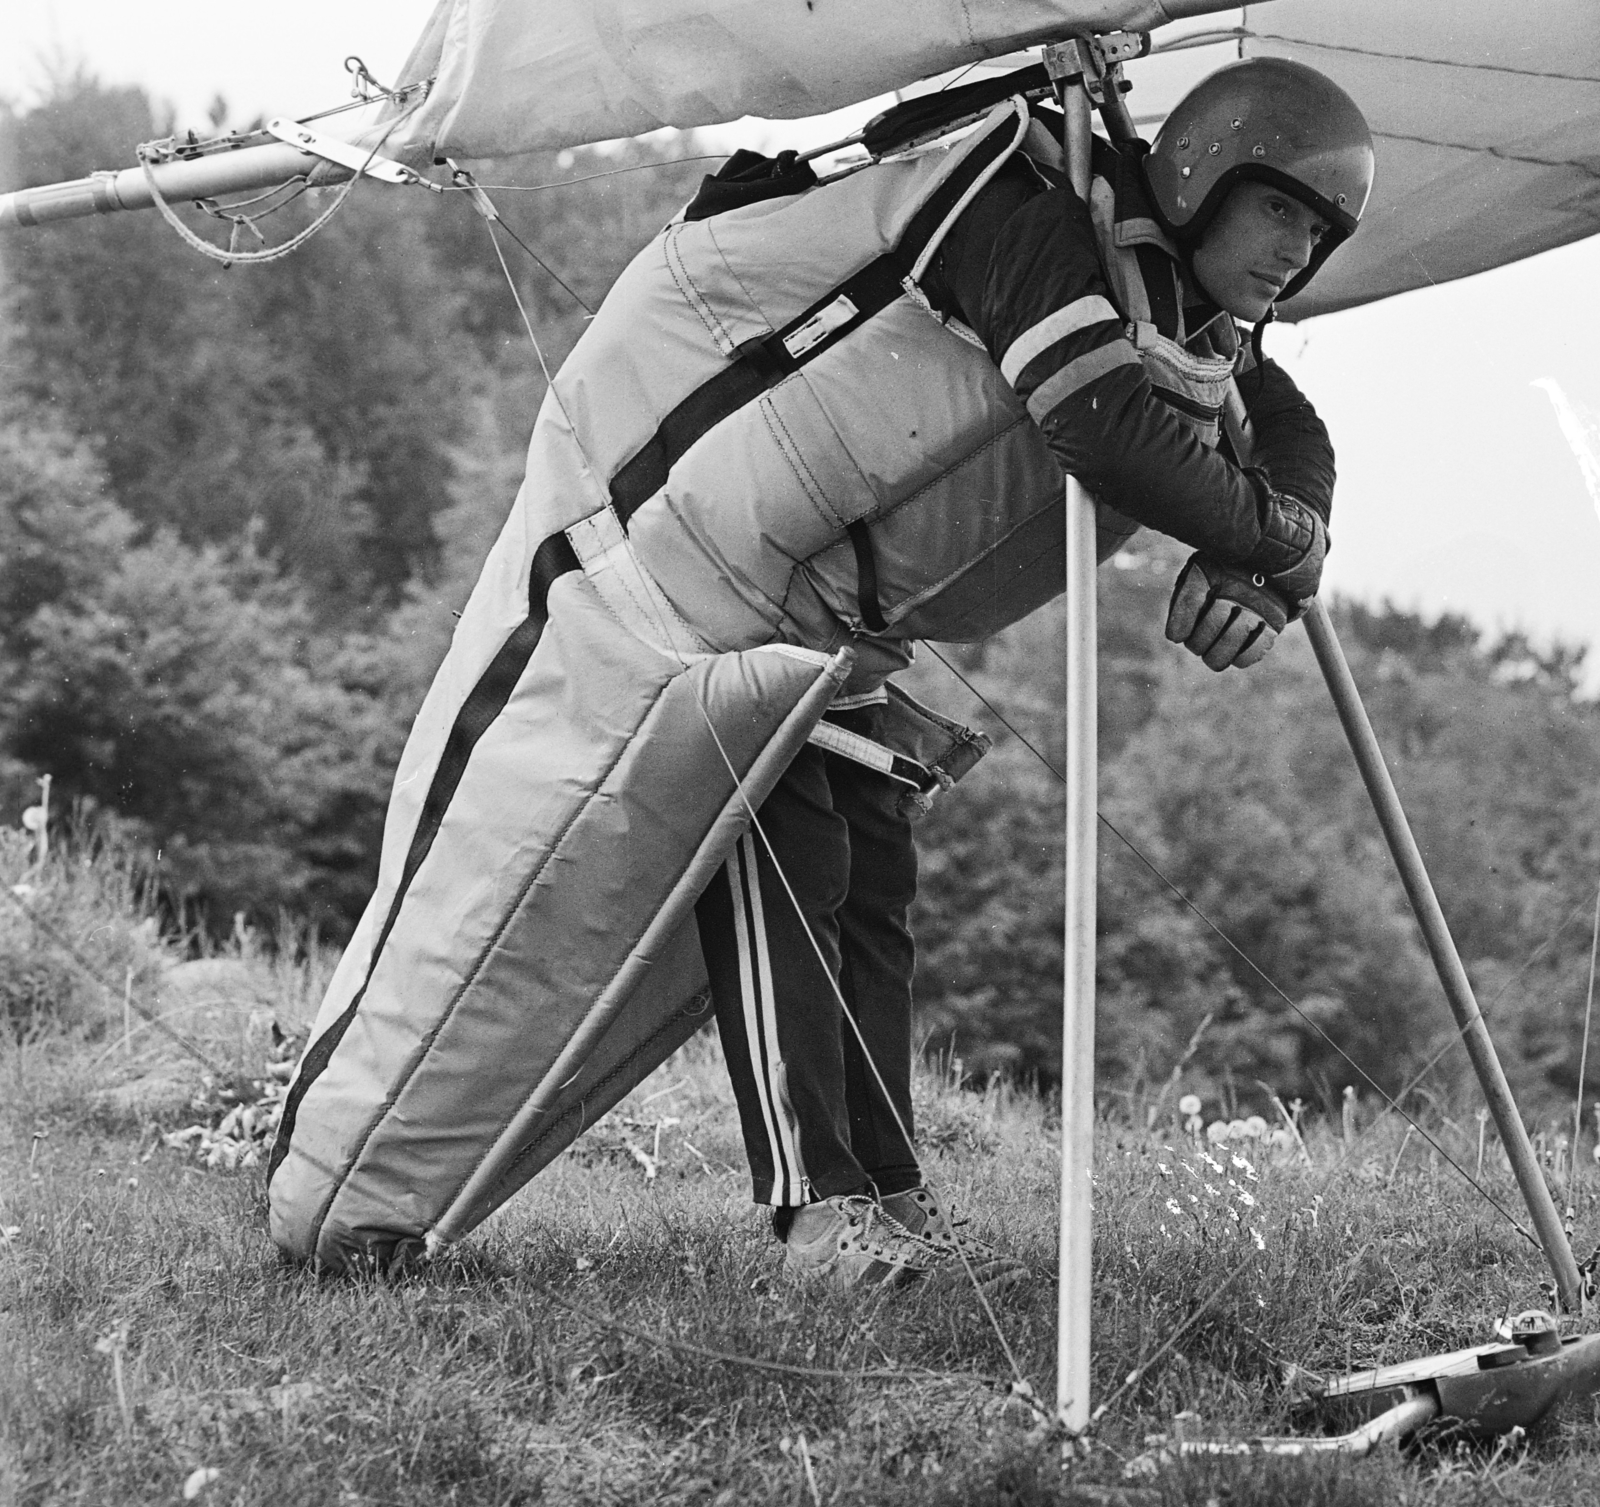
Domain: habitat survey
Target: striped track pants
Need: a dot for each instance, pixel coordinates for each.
(815, 1120)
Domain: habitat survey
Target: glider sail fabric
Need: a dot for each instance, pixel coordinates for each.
(523, 75)
(531, 951)
(1486, 120)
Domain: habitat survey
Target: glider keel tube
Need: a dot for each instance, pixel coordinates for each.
(104, 193)
(540, 957)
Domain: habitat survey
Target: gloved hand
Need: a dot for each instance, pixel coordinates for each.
(1293, 545)
(1225, 618)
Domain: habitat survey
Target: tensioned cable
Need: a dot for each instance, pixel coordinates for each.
(274, 253)
(635, 167)
(1583, 1072)
(1022, 1386)
(1229, 1278)
(783, 1368)
(1457, 1035)
(151, 1017)
(1246, 959)
(550, 271)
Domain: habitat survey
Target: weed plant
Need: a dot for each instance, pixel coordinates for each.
(588, 1344)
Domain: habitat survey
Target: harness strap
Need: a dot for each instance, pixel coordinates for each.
(832, 738)
(762, 363)
(486, 701)
(866, 576)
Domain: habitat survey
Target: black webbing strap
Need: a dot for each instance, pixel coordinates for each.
(487, 699)
(760, 364)
(757, 365)
(866, 576)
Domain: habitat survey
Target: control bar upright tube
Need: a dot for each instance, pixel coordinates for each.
(1442, 948)
(1077, 1022)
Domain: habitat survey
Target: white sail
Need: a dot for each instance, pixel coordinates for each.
(521, 75)
(1486, 117)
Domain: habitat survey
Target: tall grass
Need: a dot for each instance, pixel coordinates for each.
(585, 1346)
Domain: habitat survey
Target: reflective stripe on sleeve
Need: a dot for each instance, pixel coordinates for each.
(1079, 373)
(1078, 315)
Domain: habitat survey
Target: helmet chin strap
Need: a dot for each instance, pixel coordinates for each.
(1256, 332)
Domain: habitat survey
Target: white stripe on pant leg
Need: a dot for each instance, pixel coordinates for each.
(783, 1114)
(750, 999)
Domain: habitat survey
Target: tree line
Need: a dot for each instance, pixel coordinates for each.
(238, 509)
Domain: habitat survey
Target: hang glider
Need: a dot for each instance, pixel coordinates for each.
(1489, 152)
(1487, 125)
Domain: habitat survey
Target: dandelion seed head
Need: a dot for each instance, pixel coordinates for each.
(1189, 1104)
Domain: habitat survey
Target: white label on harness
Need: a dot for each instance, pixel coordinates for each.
(821, 324)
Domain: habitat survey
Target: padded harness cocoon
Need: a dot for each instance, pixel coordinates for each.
(538, 957)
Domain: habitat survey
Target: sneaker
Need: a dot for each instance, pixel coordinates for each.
(918, 1211)
(850, 1240)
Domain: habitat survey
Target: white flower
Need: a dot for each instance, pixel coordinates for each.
(1217, 1131)
(1189, 1104)
(1174, 1206)
(1238, 1130)
(198, 1480)
(1261, 1244)
(1256, 1126)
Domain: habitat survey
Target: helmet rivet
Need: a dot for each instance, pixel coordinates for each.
(1238, 125)
(1258, 150)
(1341, 198)
(1214, 148)
(1185, 171)
(1183, 141)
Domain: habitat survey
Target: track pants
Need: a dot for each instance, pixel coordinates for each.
(815, 1120)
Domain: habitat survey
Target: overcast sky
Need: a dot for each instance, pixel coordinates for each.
(1458, 487)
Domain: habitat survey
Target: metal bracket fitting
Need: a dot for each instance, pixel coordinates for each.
(331, 149)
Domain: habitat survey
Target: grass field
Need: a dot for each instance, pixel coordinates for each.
(588, 1345)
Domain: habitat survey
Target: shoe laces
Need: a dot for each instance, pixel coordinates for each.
(864, 1214)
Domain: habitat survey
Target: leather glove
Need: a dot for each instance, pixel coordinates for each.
(1292, 547)
(1225, 618)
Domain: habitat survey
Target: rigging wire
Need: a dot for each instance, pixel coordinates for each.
(549, 271)
(152, 1017)
(1583, 1071)
(1249, 962)
(273, 253)
(1021, 1385)
(782, 1368)
(636, 167)
(1456, 1035)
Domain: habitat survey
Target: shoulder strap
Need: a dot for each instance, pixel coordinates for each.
(764, 362)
